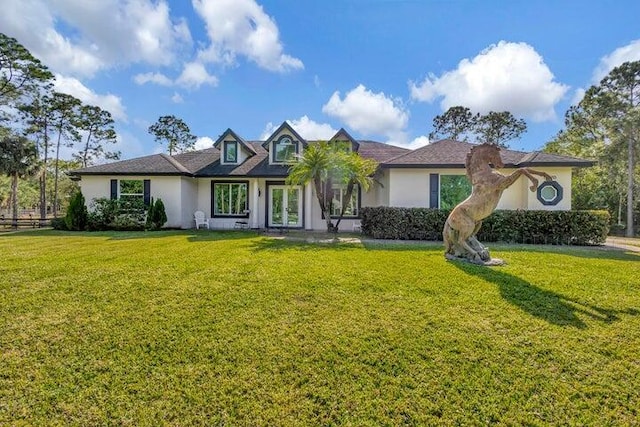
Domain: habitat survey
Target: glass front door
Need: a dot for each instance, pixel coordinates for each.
(285, 209)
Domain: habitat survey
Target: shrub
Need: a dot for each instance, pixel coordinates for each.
(102, 213)
(76, 218)
(556, 227)
(127, 222)
(59, 224)
(156, 216)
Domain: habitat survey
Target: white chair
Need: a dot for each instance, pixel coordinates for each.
(200, 219)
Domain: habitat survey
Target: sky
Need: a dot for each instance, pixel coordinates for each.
(382, 69)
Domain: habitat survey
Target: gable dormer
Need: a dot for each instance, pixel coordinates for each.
(233, 149)
(342, 140)
(284, 145)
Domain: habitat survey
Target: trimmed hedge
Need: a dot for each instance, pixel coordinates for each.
(520, 226)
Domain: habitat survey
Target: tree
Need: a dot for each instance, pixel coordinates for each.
(18, 159)
(456, 123)
(65, 110)
(38, 118)
(174, 132)
(355, 171)
(325, 165)
(606, 125)
(499, 128)
(459, 123)
(98, 126)
(18, 69)
(77, 214)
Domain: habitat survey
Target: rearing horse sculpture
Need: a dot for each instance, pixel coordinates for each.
(465, 219)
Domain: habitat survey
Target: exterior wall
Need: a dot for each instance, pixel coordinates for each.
(189, 192)
(256, 201)
(515, 196)
(381, 189)
(563, 177)
(167, 188)
(410, 188)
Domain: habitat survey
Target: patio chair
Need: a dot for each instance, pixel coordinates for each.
(200, 219)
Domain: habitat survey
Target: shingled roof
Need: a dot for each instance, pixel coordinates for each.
(155, 164)
(206, 163)
(448, 153)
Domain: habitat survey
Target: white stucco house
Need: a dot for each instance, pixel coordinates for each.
(239, 182)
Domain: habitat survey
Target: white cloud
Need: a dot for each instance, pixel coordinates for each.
(204, 142)
(630, 52)
(578, 94)
(504, 77)
(369, 113)
(418, 142)
(307, 128)
(109, 102)
(98, 34)
(242, 28)
(177, 98)
(195, 75)
(157, 78)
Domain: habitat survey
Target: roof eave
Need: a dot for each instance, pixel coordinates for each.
(74, 173)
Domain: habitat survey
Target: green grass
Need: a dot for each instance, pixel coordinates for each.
(209, 328)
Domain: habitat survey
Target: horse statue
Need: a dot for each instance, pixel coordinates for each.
(465, 219)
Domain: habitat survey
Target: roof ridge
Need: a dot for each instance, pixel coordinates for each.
(175, 163)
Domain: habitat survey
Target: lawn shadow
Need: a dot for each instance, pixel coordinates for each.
(552, 307)
(191, 235)
(591, 252)
(271, 243)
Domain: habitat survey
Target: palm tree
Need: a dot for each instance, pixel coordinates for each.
(358, 172)
(18, 159)
(324, 165)
(315, 166)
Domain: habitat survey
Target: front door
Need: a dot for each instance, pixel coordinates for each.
(285, 206)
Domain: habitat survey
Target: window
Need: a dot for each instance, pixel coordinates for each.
(230, 152)
(352, 208)
(230, 199)
(132, 190)
(549, 193)
(453, 190)
(284, 150)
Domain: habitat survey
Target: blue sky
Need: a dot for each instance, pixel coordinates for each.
(382, 69)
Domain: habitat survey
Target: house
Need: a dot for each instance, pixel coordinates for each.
(239, 182)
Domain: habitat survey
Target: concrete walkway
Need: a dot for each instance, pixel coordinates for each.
(623, 243)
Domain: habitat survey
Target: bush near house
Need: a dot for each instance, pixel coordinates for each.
(76, 218)
(555, 227)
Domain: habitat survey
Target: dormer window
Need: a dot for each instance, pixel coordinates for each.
(230, 152)
(284, 150)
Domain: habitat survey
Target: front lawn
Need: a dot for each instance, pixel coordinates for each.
(211, 328)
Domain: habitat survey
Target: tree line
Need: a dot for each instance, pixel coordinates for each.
(36, 122)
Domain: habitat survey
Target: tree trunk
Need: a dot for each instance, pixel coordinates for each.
(43, 180)
(630, 228)
(86, 150)
(620, 200)
(14, 200)
(55, 179)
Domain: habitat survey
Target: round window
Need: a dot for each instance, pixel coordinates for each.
(550, 193)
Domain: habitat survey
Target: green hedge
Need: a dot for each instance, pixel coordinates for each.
(555, 227)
